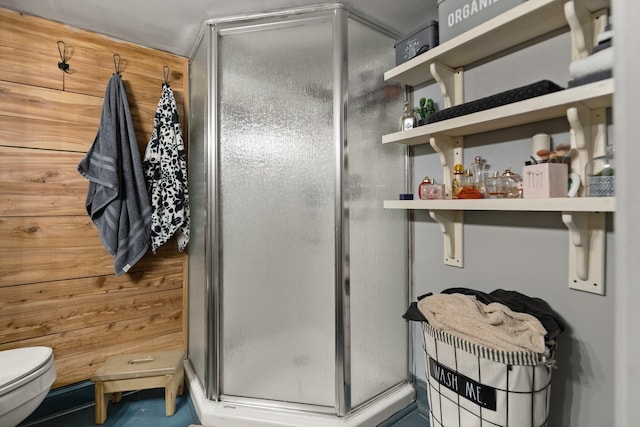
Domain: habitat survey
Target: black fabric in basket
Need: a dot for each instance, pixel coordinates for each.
(521, 303)
(539, 88)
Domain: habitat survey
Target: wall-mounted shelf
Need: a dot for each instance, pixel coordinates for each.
(524, 22)
(520, 24)
(560, 204)
(592, 96)
(583, 216)
(583, 106)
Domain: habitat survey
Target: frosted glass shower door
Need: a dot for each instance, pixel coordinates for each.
(276, 204)
(378, 241)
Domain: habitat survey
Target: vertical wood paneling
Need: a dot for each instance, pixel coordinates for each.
(57, 286)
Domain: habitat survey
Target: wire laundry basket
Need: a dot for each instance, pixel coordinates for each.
(470, 385)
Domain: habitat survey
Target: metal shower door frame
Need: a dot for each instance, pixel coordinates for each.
(214, 29)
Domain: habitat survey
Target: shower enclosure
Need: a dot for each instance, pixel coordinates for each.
(297, 276)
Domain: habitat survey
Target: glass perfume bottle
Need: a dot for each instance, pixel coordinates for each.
(479, 169)
(469, 189)
(456, 184)
(428, 190)
(408, 118)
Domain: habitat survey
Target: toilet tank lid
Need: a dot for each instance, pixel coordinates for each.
(19, 362)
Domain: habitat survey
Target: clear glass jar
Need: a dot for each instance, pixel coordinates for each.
(505, 186)
(496, 186)
(512, 184)
(600, 175)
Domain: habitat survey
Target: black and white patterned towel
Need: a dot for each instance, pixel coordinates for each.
(165, 170)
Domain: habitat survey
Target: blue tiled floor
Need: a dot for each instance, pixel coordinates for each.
(414, 419)
(139, 409)
(146, 409)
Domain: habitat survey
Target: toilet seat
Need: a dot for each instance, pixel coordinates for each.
(26, 364)
(31, 375)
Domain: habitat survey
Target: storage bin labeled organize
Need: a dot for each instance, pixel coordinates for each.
(474, 386)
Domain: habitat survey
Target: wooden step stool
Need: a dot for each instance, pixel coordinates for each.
(140, 371)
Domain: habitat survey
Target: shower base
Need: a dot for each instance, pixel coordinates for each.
(220, 414)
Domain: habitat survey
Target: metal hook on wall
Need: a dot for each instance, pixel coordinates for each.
(117, 63)
(165, 71)
(63, 56)
(62, 65)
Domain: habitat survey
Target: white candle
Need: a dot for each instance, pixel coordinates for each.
(540, 141)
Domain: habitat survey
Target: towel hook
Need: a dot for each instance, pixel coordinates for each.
(62, 65)
(118, 63)
(63, 57)
(165, 71)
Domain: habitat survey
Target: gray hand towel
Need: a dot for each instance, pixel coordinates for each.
(117, 199)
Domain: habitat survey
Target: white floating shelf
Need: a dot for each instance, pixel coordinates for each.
(560, 204)
(550, 106)
(583, 106)
(520, 24)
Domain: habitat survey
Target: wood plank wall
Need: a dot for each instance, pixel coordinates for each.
(57, 282)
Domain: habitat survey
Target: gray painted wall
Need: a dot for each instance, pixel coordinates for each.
(526, 252)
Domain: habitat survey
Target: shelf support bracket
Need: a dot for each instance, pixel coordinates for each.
(588, 137)
(450, 82)
(580, 121)
(449, 151)
(451, 227)
(579, 19)
(586, 250)
(585, 27)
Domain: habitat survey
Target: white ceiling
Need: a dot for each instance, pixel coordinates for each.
(173, 25)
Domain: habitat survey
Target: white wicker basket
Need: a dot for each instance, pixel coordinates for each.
(471, 385)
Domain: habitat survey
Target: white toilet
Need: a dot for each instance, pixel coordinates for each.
(26, 376)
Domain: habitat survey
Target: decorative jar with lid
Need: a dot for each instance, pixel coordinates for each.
(512, 183)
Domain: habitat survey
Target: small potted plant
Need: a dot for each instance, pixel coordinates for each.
(427, 108)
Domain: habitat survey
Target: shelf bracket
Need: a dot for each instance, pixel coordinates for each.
(585, 27)
(449, 151)
(588, 136)
(450, 82)
(586, 250)
(579, 19)
(451, 226)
